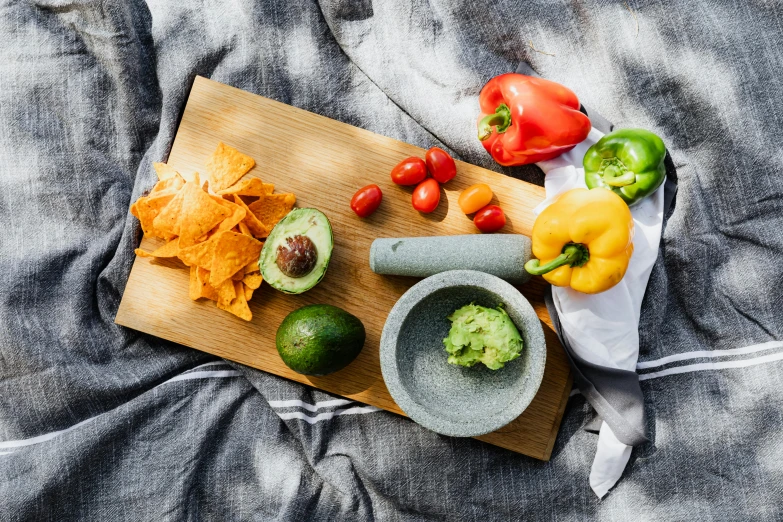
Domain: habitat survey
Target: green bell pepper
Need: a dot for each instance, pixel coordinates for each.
(629, 162)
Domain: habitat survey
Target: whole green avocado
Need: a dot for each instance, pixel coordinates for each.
(319, 339)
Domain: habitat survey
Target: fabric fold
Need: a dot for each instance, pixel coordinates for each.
(610, 460)
(615, 394)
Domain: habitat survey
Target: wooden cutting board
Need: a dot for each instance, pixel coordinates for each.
(324, 162)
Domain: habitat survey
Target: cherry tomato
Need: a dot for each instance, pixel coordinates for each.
(475, 197)
(440, 165)
(426, 196)
(366, 200)
(490, 219)
(410, 171)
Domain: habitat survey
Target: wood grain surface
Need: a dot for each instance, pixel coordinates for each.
(324, 162)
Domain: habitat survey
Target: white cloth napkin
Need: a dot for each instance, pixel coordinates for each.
(604, 328)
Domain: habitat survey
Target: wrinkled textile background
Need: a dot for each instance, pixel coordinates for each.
(90, 93)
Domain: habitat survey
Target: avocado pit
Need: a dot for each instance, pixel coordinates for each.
(297, 257)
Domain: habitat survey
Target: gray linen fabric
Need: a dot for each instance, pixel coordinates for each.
(90, 93)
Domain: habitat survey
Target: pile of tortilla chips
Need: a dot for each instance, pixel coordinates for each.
(215, 228)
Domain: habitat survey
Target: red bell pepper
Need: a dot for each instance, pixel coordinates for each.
(525, 119)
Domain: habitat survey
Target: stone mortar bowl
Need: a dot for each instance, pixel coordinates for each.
(445, 398)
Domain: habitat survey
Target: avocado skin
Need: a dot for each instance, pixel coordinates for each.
(319, 339)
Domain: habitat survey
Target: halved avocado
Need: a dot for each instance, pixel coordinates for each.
(297, 252)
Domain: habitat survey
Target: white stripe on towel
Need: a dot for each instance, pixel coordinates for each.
(203, 375)
(698, 367)
(181, 377)
(42, 438)
(327, 415)
(213, 363)
(699, 354)
(309, 407)
(720, 365)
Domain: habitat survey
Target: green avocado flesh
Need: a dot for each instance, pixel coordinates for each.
(480, 334)
(319, 339)
(297, 252)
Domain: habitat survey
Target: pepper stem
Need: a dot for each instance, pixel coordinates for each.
(573, 254)
(615, 174)
(501, 118)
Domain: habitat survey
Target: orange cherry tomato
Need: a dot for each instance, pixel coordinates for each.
(440, 165)
(426, 196)
(475, 197)
(410, 171)
(366, 200)
(490, 219)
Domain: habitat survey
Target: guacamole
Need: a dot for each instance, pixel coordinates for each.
(480, 334)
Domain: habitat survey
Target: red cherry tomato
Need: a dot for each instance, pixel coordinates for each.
(426, 196)
(490, 219)
(440, 165)
(366, 200)
(410, 171)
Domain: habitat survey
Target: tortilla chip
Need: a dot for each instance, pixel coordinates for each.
(169, 185)
(249, 187)
(248, 292)
(199, 214)
(238, 306)
(207, 290)
(200, 254)
(243, 228)
(272, 208)
(225, 292)
(252, 266)
(164, 171)
(146, 209)
(166, 223)
(237, 214)
(194, 289)
(256, 227)
(232, 252)
(226, 166)
(238, 276)
(170, 249)
(253, 280)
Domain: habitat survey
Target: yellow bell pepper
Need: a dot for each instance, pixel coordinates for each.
(583, 240)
